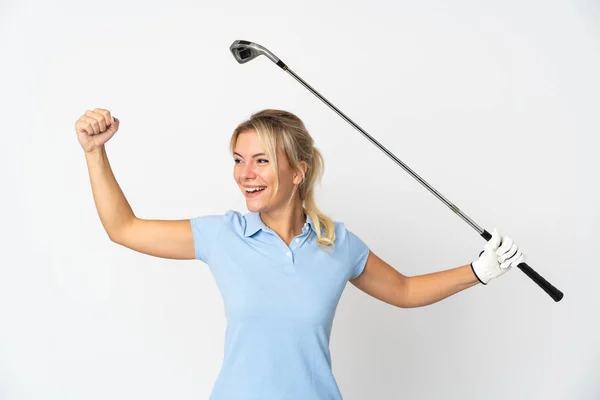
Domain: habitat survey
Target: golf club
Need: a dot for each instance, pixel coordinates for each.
(245, 51)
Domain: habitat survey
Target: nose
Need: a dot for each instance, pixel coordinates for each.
(248, 171)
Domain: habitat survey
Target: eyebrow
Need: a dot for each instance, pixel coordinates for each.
(256, 155)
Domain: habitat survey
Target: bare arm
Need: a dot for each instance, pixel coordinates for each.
(111, 204)
(382, 281)
(431, 288)
(160, 238)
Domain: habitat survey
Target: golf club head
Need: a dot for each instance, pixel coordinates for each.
(244, 51)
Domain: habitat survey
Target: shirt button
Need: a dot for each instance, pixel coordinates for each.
(288, 253)
(297, 240)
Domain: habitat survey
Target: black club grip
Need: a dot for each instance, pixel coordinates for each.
(556, 294)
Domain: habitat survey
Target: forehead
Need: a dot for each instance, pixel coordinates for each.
(248, 141)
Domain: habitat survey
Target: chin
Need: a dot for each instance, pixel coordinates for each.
(254, 207)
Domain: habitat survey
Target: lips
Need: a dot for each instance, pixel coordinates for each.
(254, 193)
(254, 187)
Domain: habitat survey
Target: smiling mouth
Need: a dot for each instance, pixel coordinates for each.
(255, 189)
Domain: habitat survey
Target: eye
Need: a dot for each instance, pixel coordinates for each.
(262, 159)
(235, 160)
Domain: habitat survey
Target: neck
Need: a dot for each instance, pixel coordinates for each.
(286, 222)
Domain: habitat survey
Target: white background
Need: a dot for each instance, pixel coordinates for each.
(492, 103)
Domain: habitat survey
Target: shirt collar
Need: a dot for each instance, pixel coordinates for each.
(254, 223)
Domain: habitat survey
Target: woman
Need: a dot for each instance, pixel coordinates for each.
(282, 267)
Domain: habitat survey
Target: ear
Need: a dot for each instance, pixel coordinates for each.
(300, 176)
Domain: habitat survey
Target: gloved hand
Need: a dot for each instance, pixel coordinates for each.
(499, 255)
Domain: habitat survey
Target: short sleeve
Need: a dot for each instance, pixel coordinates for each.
(205, 230)
(359, 252)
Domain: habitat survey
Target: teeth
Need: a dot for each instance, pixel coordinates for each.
(251, 190)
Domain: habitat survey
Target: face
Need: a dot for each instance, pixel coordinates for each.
(253, 169)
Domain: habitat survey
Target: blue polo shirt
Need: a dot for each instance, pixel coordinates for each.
(279, 302)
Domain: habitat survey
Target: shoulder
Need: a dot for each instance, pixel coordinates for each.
(231, 218)
(345, 239)
(352, 250)
(211, 231)
(342, 233)
(349, 240)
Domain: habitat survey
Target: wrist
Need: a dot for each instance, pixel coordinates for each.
(97, 152)
(481, 273)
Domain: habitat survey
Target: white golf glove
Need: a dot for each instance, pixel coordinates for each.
(494, 261)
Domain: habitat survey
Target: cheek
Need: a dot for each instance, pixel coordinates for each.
(267, 175)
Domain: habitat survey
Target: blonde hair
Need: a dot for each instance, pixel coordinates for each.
(278, 128)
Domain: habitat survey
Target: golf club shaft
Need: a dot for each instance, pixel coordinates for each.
(552, 291)
(391, 155)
